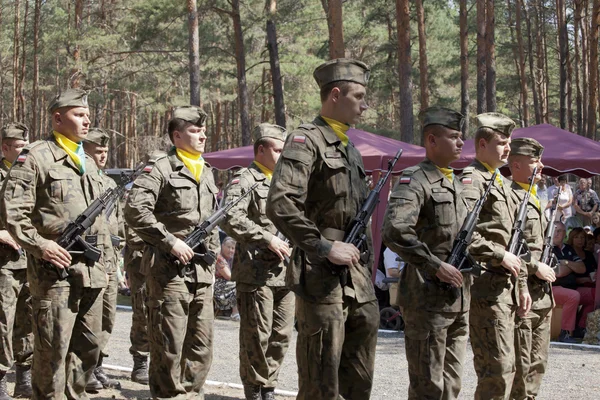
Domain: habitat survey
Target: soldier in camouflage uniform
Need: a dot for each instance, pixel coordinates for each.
(266, 306)
(532, 335)
(176, 193)
(50, 184)
(138, 335)
(425, 212)
(15, 298)
(494, 294)
(318, 187)
(95, 145)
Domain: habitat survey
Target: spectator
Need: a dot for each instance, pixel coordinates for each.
(543, 190)
(565, 199)
(393, 264)
(586, 202)
(577, 240)
(596, 220)
(224, 288)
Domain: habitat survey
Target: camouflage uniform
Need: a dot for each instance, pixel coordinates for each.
(132, 260)
(425, 212)
(166, 203)
(318, 187)
(43, 192)
(266, 306)
(532, 335)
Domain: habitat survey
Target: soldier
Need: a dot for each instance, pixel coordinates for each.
(532, 336)
(50, 184)
(175, 193)
(317, 189)
(425, 212)
(494, 295)
(95, 145)
(15, 297)
(266, 306)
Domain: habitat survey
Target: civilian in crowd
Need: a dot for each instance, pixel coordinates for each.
(565, 200)
(595, 220)
(393, 264)
(224, 288)
(586, 202)
(543, 190)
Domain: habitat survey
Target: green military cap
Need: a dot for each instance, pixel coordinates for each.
(526, 147)
(69, 98)
(97, 136)
(442, 116)
(266, 130)
(496, 121)
(15, 130)
(342, 69)
(193, 114)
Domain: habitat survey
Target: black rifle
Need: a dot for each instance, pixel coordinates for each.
(548, 257)
(125, 180)
(10, 253)
(356, 233)
(517, 244)
(195, 240)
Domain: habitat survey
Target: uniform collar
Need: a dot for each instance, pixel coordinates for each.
(256, 172)
(434, 175)
(329, 135)
(58, 153)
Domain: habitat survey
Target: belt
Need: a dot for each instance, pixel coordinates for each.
(333, 234)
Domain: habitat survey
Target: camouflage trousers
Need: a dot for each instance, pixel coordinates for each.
(267, 320)
(532, 343)
(16, 335)
(67, 324)
(138, 334)
(335, 350)
(109, 310)
(180, 331)
(492, 333)
(436, 343)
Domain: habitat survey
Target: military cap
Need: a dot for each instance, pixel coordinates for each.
(15, 130)
(496, 121)
(526, 147)
(342, 69)
(442, 116)
(97, 136)
(266, 130)
(193, 114)
(69, 98)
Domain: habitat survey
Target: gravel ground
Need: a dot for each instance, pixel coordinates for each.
(572, 372)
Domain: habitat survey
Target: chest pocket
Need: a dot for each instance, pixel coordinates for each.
(98, 186)
(182, 194)
(261, 199)
(208, 197)
(443, 208)
(533, 221)
(64, 186)
(335, 174)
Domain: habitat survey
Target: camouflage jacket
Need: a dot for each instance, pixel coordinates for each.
(9, 258)
(424, 214)
(534, 235)
(43, 192)
(318, 187)
(254, 264)
(166, 203)
(132, 240)
(116, 223)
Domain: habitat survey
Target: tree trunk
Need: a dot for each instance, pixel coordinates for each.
(404, 71)
(515, 51)
(464, 65)
(15, 66)
(240, 57)
(21, 107)
(422, 55)
(491, 56)
(523, 76)
(333, 9)
(481, 57)
(545, 62)
(75, 76)
(274, 62)
(36, 68)
(541, 76)
(563, 59)
(194, 52)
(532, 72)
(593, 44)
(576, 43)
(584, 66)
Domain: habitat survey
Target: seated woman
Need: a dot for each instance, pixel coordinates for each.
(224, 288)
(585, 285)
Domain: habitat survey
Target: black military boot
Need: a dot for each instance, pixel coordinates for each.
(93, 385)
(3, 389)
(23, 381)
(267, 393)
(101, 376)
(252, 392)
(139, 373)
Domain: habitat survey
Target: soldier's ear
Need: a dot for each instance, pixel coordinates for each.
(335, 94)
(57, 117)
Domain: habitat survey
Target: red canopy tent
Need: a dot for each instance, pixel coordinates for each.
(375, 150)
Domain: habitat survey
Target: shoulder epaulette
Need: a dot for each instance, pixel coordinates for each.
(468, 170)
(310, 127)
(410, 170)
(153, 159)
(466, 178)
(27, 149)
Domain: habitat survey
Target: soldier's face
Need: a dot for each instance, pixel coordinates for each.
(98, 153)
(270, 153)
(73, 122)
(445, 143)
(11, 148)
(191, 139)
(350, 106)
(523, 167)
(496, 151)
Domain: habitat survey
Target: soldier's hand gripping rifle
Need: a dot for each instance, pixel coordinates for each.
(195, 240)
(517, 244)
(548, 257)
(356, 233)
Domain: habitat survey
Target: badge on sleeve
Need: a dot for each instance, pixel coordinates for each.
(22, 157)
(405, 179)
(148, 168)
(235, 181)
(467, 181)
(299, 139)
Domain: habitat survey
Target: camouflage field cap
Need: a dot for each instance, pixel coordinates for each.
(496, 121)
(69, 98)
(442, 116)
(193, 114)
(526, 147)
(342, 69)
(15, 130)
(266, 130)
(97, 136)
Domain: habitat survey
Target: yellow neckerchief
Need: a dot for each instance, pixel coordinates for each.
(498, 177)
(74, 150)
(533, 193)
(339, 128)
(268, 173)
(194, 163)
(448, 173)
(7, 163)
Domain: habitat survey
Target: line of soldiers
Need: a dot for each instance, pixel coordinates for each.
(305, 190)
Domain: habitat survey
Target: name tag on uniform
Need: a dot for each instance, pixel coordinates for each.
(333, 154)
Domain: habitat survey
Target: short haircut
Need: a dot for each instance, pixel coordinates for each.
(344, 87)
(176, 124)
(265, 142)
(432, 129)
(485, 133)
